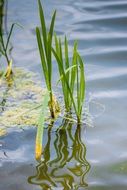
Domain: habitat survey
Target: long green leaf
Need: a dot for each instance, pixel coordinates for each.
(73, 73)
(49, 60)
(66, 56)
(82, 82)
(42, 55)
(10, 33)
(52, 24)
(43, 26)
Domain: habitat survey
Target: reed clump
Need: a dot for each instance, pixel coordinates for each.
(44, 39)
(72, 77)
(71, 72)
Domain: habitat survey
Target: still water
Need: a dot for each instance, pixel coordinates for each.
(77, 157)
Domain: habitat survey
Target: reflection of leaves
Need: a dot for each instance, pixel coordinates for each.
(39, 136)
(66, 167)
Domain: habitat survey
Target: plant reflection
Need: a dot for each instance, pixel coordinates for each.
(1, 13)
(64, 164)
(3, 16)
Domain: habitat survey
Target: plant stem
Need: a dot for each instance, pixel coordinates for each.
(4, 48)
(51, 106)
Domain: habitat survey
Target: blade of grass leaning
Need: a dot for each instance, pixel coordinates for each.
(49, 60)
(66, 56)
(52, 24)
(10, 33)
(40, 128)
(44, 39)
(56, 44)
(42, 55)
(78, 93)
(82, 82)
(50, 36)
(73, 73)
(66, 52)
(43, 26)
(64, 86)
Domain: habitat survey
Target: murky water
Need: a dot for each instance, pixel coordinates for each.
(77, 157)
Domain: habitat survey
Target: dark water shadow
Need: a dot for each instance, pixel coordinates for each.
(64, 162)
(3, 16)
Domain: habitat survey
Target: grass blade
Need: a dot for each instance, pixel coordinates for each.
(52, 25)
(42, 55)
(73, 73)
(10, 33)
(66, 56)
(43, 26)
(49, 60)
(82, 82)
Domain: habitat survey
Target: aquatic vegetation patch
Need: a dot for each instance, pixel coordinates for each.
(20, 102)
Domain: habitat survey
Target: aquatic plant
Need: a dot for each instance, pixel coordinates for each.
(72, 77)
(5, 37)
(71, 72)
(3, 44)
(44, 39)
(5, 50)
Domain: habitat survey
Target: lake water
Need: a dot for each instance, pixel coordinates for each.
(100, 26)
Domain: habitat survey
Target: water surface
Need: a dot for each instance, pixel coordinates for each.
(100, 26)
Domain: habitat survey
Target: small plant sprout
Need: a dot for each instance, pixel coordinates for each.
(44, 39)
(72, 77)
(5, 49)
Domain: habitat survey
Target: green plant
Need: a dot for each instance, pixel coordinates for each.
(71, 74)
(44, 39)
(5, 49)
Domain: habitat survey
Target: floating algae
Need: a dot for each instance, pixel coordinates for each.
(20, 101)
(2, 132)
